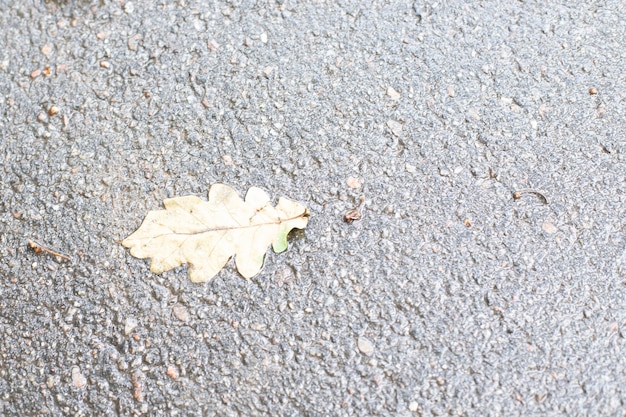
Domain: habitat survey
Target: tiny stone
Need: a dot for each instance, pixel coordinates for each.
(129, 7)
(78, 379)
(35, 73)
(393, 94)
(228, 160)
(137, 379)
(396, 127)
(549, 228)
(212, 45)
(46, 49)
(593, 91)
(172, 372)
(132, 43)
(410, 168)
(365, 346)
(180, 312)
(264, 37)
(354, 182)
(129, 325)
(473, 114)
(122, 365)
(105, 64)
(51, 381)
(450, 91)
(413, 406)
(53, 110)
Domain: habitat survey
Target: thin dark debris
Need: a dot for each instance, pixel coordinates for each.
(520, 193)
(39, 248)
(355, 213)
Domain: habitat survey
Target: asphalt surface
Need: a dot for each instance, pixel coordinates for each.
(487, 276)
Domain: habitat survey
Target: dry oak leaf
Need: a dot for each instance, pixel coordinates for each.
(205, 235)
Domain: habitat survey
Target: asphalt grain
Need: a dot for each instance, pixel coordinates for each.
(486, 140)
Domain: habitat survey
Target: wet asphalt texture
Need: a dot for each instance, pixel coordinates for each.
(486, 141)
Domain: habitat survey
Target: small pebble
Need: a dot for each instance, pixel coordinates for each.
(593, 91)
(53, 110)
(138, 380)
(172, 372)
(46, 49)
(365, 346)
(549, 228)
(78, 379)
(212, 45)
(393, 94)
(472, 113)
(228, 160)
(354, 182)
(132, 42)
(52, 381)
(395, 127)
(180, 312)
(130, 324)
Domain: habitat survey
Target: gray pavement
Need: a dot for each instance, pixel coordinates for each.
(486, 277)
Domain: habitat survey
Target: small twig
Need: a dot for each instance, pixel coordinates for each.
(38, 248)
(518, 194)
(355, 213)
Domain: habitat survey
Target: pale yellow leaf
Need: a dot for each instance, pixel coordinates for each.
(205, 235)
